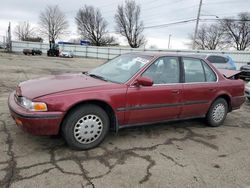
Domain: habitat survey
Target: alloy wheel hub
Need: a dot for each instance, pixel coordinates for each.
(88, 129)
(218, 112)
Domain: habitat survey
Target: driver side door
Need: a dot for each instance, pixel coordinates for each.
(162, 100)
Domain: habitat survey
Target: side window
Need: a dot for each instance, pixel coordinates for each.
(164, 70)
(210, 75)
(193, 70)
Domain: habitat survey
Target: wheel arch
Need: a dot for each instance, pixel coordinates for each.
(104, 105)
(227, 98)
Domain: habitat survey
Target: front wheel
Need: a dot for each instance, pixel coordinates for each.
(217, 112)
(85, 127)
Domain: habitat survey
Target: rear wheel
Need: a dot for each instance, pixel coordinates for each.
(85, 127)
(217, 112)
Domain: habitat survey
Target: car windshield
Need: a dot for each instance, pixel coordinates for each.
(121, 68)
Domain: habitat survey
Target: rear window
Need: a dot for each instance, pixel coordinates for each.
(217, 59)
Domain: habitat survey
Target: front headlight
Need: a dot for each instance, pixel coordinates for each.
(32, 106)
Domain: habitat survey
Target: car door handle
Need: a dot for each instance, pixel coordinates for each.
(176, 91)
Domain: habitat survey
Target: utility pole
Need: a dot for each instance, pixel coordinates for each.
(197, 24)
(9, 47)
(169, 37)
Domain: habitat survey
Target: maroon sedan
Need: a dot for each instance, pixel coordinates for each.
(132, 89)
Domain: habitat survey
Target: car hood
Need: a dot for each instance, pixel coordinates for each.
(57, 83)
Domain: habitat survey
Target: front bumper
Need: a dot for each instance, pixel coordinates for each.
(36, 123)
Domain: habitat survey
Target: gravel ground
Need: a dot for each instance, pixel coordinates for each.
(179, 154)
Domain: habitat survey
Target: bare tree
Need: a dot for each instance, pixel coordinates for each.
(93, 27)
(238, 30)
(128, 23)
(23, 31)
(53, 23)
(209, 37)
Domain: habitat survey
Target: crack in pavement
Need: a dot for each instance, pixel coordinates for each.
(190, 135)
(173, 160)
(11, 167)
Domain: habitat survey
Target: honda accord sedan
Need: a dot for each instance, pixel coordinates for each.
(132, 89)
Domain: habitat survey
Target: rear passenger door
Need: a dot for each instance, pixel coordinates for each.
(199, 87)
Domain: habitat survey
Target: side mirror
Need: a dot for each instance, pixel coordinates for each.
(144, 81)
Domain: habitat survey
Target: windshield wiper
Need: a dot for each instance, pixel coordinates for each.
(97, 76)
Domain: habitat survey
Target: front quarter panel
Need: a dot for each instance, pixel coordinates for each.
(115, 97)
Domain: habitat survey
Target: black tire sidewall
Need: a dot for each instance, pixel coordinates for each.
(209, 118)
(74, 116)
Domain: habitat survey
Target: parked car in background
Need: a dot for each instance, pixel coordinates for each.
(53, 50)
(155, 87)
(34, 51)
(1, 45)
(245, 71)
(66, 54)
(247, 90)
(221, 61)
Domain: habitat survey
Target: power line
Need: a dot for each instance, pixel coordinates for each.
(169, 24)
(221, 19)
(190, 20)
(166, 24)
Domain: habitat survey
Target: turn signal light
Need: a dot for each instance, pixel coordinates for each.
(39, 107)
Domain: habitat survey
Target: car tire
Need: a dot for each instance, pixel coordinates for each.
(217, 112)
(85, 127)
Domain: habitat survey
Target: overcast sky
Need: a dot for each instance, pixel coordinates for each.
(153, 12)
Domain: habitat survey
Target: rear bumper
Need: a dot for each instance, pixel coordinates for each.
(237, 102)
(36, 123)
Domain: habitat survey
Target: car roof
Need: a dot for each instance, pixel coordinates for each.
(161, 54)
